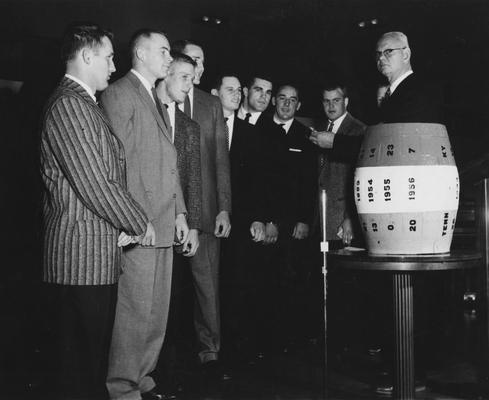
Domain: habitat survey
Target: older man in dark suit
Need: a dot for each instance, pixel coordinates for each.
(206, 110)
(143, 126)
(408, 97)
(86, 207)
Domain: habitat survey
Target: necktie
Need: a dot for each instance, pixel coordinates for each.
(247, 117)
(386, 95)
(283, 127)
(330, 126)
(226, 127)
(158, 106)
(186, 107)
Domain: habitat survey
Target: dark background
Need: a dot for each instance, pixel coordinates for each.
(304, 41)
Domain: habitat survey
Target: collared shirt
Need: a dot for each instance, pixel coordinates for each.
(145, 82)
(190, 95)
(285, 125)
(171, 114)
(253, 118)
(83, 85)
(230, 125)
(396, 83)
(337, 123)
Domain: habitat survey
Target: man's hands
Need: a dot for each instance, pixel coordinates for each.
(345, 231)
(148, 239)
(223, 225)
(301, 231)
(257, 230)
(181, 228)
(271, 233)
(324, 139)
(191, 245)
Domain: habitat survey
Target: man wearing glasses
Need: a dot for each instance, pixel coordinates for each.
(408, 98)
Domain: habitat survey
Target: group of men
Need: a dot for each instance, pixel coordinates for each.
(142, 182)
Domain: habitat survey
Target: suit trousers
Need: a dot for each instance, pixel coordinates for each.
(140, 321)
(205, 272)
(81, 324)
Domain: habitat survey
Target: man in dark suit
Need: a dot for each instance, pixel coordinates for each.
(294, 158)
(206, 110)
(144, 288)
(88, 212)
(408, 97)
(240, 251)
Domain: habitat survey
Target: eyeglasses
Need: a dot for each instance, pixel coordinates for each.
(387, 53)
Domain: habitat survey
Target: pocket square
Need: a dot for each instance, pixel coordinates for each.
(296, 150)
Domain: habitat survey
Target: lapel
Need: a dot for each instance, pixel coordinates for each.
(68, 85)
(345, 126)
(148, 100)
(199, 107)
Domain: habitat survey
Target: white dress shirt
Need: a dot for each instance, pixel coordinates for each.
(286, 125)
(337, 123)
(253, 118)
(145, 82)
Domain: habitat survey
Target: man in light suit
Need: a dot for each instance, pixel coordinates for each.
(336, 172)
(206, 110)
(143, 126)
(87, 212)
(172, 91)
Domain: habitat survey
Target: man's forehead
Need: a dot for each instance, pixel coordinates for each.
(230, 81)
(336, 93)
(287, 91)
(388, 42)
(262, 83)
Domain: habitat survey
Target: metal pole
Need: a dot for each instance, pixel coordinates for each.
(324, 250)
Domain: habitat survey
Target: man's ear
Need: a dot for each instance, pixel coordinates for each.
(140, 53)
(214, 92)
(86, 55)
(245, 92)
(406, 54)
(298, 106)
(346, 101)
(273, 101)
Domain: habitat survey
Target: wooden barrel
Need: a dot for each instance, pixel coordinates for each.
(406, 189)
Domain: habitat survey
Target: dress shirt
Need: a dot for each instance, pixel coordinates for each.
(230, 125)
(396, 83)
(285, 125)
(253, 118)
(190, 96)
(83, 85)
(337, 123)
(145, 82)
(170, 107)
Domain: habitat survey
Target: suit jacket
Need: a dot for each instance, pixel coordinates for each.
(214, 157)
(187, 143)
(336, 176)
(246, 176)
(414, 100)
(291, 162)
(152, 171)
(86, 203)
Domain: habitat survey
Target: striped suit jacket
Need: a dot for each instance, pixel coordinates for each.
(187, 143)
(86, 203)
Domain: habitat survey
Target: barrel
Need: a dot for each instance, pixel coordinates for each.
(406, 189)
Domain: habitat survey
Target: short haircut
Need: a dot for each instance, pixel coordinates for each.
(182, 58)
(330, 86)
(138, 35)
(216, 83)
(251, 80)
(180, 45)
(82, 35)
(288, 85)
(398, 36)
